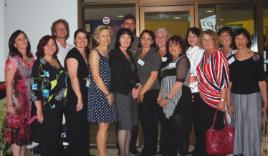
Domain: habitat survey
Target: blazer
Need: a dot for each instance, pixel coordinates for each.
(123, 71)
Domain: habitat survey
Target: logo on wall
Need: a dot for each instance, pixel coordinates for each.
(208, 23)
(106, 20)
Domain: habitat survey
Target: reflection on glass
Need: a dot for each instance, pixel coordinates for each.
(176, 22)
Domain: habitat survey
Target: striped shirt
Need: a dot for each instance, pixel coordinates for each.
(213, 76)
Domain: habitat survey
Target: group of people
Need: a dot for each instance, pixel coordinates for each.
(153, 79)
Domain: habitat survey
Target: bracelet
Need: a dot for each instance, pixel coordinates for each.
(222, 100)
(138, 85)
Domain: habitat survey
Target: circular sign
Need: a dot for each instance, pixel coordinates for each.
(106, 20)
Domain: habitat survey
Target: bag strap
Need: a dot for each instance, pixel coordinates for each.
(215, 116)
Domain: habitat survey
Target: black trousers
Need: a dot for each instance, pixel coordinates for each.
(202, 120)
(175, 130)
(77, 130)
(148, 119)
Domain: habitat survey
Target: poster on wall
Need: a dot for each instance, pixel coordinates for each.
(208, 23)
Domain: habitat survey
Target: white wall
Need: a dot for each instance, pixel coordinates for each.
(2, 40)
(35, 17)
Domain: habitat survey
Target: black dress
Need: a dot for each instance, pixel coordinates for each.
(49, 86)
(77, 125)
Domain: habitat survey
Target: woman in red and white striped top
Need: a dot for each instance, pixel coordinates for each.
(213, 77)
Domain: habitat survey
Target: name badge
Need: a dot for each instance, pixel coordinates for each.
(172, 65)
(231, 60)
(140, 62)
(164, 59)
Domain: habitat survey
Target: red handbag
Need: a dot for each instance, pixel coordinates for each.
(220, 142)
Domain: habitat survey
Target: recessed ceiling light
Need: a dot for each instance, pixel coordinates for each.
(120, 16)
(221, 19)
(177, 17)
(209, 11)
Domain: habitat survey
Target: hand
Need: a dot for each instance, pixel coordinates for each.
(264, 108)
(140, 98)
(230, 109)
(163, 102)
(11, 109)
(40, 116)
(110, 98)
(221, 106)
(79, 105)
(135, 93)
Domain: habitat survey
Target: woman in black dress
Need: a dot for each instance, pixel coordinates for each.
(76, 107)
(48, 93)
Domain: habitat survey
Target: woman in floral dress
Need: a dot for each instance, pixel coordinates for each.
(48, 93)
(17, 74)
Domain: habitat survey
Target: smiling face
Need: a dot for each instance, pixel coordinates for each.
(61, 31)
(81, 40)
(146, 40)
(104, 38)
(21, 42)
(174, 49)
(225, 39)
(125, 41)
(129, 24)
(161, 39)
(50, 48)
(241, 41)
(208, 43)
(192, 39)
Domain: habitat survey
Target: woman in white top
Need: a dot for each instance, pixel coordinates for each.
(195, 54)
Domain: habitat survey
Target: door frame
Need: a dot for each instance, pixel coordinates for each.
(145, 9)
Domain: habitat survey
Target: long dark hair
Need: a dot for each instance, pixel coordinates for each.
(120, 33)
(42, 43)
(151, 33)
(11, 44)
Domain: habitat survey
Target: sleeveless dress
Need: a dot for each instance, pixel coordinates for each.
(17, 130)
(99, 111)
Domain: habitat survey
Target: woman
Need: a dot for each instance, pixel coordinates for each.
(48, 94)
(176, 100)
(226, 41)
(195, 54)
(148, 64)
(212, 73)
(17, 75)
(248, 91)
(76, 108)
(101, 108)
(123, 83)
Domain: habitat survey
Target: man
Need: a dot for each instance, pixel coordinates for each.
(60, 30)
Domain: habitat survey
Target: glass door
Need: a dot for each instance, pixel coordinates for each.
(176, 19)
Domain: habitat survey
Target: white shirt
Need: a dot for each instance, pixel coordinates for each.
(63, 52)
(194, 54)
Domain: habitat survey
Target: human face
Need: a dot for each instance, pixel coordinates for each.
(81, 40)
(50, 48)
(21, 42)
(125, 41)
(192, 39)
(61, 31)
(104, 38)
(208, 43)
(129, 24)
(174, 49)
(161, 39)
(225, 39)
(146, 40)
(241, 41)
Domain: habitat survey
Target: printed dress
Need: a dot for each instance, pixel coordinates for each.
(17, 130)
(50, 87)
(99, 111)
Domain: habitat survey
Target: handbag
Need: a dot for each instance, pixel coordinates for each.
(220, 142)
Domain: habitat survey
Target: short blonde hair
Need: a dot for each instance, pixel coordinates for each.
(98, 30)
(213, 35)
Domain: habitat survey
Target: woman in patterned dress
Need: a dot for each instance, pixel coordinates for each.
(17, 74)
(48, 93)
(101, 108)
